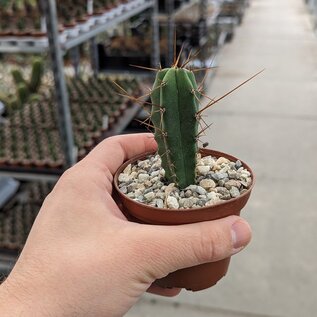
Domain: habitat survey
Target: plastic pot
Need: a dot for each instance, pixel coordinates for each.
(198, 277)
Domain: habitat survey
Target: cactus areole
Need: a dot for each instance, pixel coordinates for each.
(174, 115)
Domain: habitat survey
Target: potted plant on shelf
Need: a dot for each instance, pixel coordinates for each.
(182, 183)
(82, 19)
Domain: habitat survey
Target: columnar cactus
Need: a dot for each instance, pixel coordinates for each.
(26, 90)
(175, 118)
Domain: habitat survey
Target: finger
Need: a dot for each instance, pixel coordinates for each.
(183, 246)
(168, 292)
(113, 151)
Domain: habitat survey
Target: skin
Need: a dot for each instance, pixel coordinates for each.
(83, 258)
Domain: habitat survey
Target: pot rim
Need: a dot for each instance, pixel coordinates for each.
(215, 153)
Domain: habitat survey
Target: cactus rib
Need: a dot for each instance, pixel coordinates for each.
(173, 114)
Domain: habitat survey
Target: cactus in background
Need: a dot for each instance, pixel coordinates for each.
(36, 75)
(4, 98)
(34, 83)
(174, 116)
(25, 90)
(18, 77)
(23, 93)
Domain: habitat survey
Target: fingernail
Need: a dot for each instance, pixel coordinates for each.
(240, 234)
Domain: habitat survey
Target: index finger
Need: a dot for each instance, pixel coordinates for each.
(111, 153)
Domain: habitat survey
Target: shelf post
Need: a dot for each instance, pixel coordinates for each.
(63, 109)
(169, 5)
(94, 55)
(75, 57)
(155, 57)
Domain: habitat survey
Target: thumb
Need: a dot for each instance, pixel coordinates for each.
(183, 246)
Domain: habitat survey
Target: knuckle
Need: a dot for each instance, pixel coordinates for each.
(70, 179)
(211, 245)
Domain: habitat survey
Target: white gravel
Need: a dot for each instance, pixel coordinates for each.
(217, 179)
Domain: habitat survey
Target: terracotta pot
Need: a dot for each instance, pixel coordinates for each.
(194, 278)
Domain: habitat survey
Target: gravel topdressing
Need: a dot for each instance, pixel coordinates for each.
(217, 180)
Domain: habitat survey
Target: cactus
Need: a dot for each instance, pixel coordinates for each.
(4, 98)
(36, 76)
(18, 77)
(23, 93)
(25, 90)
(174, 116)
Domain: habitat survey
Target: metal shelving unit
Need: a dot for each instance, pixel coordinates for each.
(312, 6)
(57, 46)
(205, 21)
(41, 45)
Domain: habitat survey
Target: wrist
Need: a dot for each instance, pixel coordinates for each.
(10, 303)
(16, 299)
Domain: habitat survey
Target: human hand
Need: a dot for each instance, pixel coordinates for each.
(83, 258)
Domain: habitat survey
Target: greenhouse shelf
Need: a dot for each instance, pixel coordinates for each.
(56, 44)
(7, 261)
(41, 45)
(124, 121)
(163, 16)
(52, 174)
(16, 220)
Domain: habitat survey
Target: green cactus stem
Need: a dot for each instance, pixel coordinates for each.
(23, 93)
(4, 98)
(36, 75)
(174, 115)
(18, 77)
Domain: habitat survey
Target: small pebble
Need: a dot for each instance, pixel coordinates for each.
(123, 178)
(232, 183)
(201, 202)
(222, 175)
(172, 202)
(222, 190)
(200, 190)
(203, 170)
(207, 183)
(234, 192)
(143, 177)
(155, 173)
(232, 174)
(124, 189)
(188, 202)
(128, 169)
(222, 160)
(238, 164)
(159, 203)
(208, 160)
(213, 196)
(149, 196)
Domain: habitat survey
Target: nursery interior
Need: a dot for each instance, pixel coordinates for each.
(73, 73)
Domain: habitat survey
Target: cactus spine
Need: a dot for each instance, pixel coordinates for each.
(174, 115)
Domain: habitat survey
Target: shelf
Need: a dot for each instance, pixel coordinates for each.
(51, 174)
(123, 121)
(120, 14)
(29, 174)
(163, 17)
(121, 71)
(7, 261)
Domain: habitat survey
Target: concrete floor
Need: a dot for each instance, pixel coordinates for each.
(271, 123)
